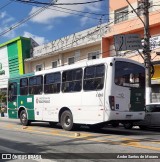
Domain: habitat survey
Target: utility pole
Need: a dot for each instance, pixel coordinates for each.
(146, 51)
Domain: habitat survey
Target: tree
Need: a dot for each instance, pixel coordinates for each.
(3, 100)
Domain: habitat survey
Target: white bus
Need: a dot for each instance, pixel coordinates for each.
(94, 93)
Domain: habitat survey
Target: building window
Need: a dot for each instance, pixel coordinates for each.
(121, 15)
(71, 60)
(54, 64)
(93, 55)
(39, 67)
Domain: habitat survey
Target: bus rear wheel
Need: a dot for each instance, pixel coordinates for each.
(67, 120)
(23, 118)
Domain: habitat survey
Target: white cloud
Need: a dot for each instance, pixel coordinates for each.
(5, 24)
(49, 27)
(47, 15)
(38, 39)
(3, 14)
(7, 20)
(84, 20)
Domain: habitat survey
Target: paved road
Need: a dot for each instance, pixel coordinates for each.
(39, 138)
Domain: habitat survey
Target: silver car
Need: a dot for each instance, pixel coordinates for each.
(152, 117)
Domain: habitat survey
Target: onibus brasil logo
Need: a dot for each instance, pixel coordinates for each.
(1, 71)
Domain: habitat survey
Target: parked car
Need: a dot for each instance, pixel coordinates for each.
(152, 117)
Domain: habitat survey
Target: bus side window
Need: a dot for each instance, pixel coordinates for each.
(72, 80)
(52, 82)
(94, 78)
(24, 86)
(36, 85)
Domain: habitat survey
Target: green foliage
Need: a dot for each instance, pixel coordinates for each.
(3, 101)
(3, 97)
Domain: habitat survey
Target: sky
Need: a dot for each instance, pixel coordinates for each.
(52, 23)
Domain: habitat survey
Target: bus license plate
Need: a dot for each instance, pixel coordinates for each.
(128, 116)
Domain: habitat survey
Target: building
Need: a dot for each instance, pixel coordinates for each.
(81, 46)
(125, 21)
(12, 55)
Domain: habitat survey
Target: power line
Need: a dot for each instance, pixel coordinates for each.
(5, 5)
(45, 3)
(94, 31)
(89, 33)
(98, 14)
(4, 32)
(24, 20)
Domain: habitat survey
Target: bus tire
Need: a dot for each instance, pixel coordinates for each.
(67, 120)
(128, 125)
(23, 118)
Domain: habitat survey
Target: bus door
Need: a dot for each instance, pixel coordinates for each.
(12, 100)
(35, 89)
(52, 82)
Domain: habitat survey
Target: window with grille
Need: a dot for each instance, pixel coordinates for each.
(39, 67)
(54, 64)
(93, 55)
(71, 60)
(121, 15)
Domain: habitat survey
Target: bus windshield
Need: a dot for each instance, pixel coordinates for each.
(129, 74)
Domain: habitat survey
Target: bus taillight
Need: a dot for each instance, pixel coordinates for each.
(112, 102)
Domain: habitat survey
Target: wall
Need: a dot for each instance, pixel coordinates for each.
(4, 67)
(30, 66)
(130, 26)
(12, 55)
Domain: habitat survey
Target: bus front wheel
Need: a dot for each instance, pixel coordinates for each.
(67, 120)
(23, 118)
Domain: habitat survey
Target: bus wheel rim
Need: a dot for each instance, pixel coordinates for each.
(67, 121)
(24, 117)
